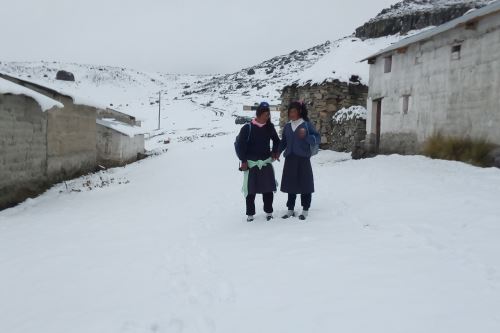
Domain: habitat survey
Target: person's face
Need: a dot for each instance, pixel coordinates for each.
(293, 114)
(264, 117)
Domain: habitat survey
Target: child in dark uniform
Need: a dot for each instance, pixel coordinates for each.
(298, 137)
(256, 160)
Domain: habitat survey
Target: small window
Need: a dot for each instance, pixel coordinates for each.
(406, 104)
(388, 64)
(418, 58)
(455, 52)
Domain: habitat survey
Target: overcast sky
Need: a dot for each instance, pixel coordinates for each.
(174, 36)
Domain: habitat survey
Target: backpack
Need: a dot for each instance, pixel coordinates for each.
(314, 147)
(237, 142)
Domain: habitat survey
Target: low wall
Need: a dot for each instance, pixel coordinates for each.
(348, 134)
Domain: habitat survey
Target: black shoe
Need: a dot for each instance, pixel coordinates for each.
(286, 216)
(250, 219)
(269, 217)
(302, 217)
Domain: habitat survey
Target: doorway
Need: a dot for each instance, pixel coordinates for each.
(377, 116)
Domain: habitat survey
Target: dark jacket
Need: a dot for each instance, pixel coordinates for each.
(292, 144)
(257, 146)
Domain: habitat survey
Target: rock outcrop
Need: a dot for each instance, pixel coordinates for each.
(414, 15)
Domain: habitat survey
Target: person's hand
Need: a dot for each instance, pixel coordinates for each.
(302, 133)
(276, 156)
(244, 166)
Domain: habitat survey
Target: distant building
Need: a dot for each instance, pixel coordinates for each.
(41, 145)
(46, 138)
(254, 107)
(444, 80)
(120, 139)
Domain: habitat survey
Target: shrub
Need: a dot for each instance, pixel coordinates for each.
(472, 151)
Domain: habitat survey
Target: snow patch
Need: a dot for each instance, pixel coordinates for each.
(346, 114)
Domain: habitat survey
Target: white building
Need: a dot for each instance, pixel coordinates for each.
(444, 80)
(120, 139)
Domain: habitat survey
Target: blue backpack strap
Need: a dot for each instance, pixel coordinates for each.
(308, 124)
(249, 131)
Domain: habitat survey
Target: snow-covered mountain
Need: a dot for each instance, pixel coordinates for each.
(136, 92)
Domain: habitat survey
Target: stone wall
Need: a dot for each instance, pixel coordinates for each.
(323, 101)
(23, 149)
(347, 135)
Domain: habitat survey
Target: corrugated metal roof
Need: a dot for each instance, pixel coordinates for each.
(471, 16)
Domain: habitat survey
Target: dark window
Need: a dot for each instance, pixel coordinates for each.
(406, 104)
(418, 58)
(455, 52)
(388, 64)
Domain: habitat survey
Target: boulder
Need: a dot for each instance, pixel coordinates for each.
(241, 120)
(65, 76)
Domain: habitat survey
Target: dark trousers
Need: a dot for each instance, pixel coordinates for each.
(305, 200)
(268, 203)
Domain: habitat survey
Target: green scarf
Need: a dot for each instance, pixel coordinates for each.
(252, 164)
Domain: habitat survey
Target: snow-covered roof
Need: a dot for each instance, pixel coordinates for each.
(46, 103)
(468, 17)
(121, 127)
(77, 99)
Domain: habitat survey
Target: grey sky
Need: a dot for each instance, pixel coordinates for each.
(175, 36)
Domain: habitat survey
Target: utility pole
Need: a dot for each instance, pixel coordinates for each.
(159, 108)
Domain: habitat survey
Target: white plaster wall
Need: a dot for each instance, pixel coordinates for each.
(455, 97)
(116, 149)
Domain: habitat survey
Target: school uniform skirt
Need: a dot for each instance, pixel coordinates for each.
(261, 180)
(297, 175)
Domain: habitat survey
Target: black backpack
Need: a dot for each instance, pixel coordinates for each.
(237, 142)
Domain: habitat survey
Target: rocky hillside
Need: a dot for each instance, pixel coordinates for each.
(264, 79)
(414, 15)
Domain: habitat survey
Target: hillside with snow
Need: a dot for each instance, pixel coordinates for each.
(137, 93)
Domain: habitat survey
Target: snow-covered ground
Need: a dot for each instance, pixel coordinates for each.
(393, 244)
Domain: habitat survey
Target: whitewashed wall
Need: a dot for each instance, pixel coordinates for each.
(455, 97)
